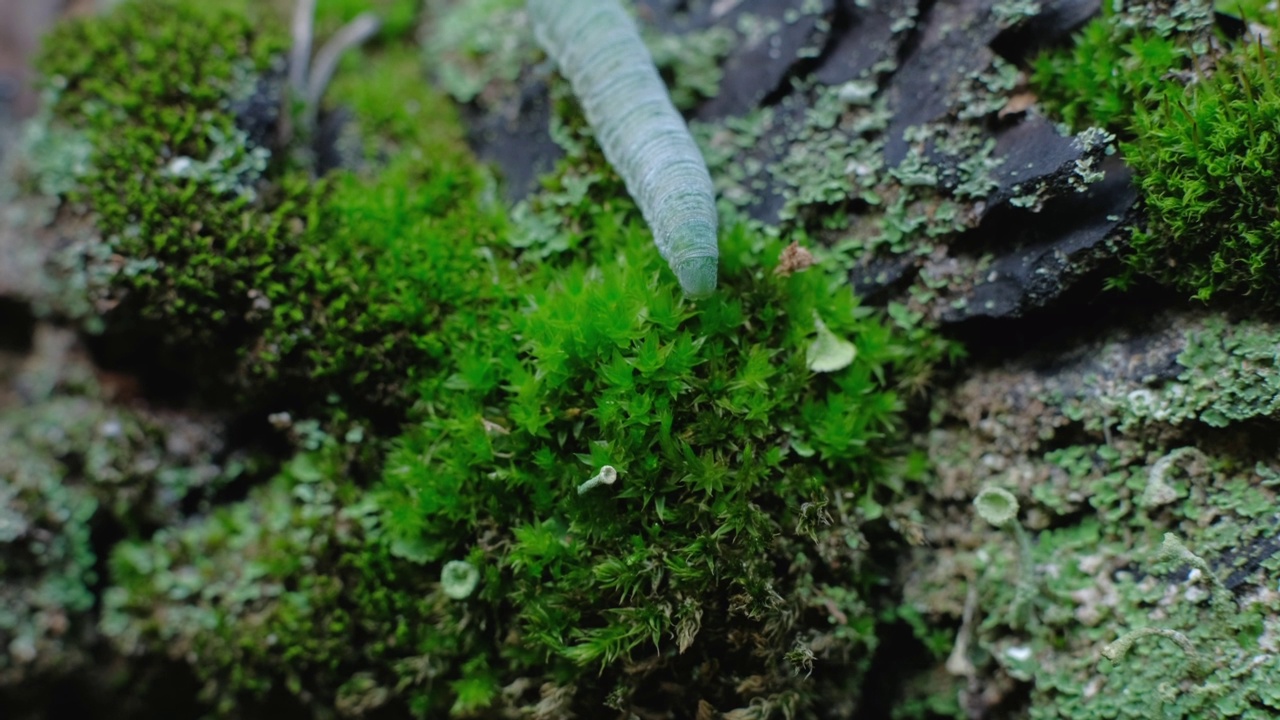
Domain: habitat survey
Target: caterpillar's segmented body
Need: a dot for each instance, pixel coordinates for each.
(598, 48)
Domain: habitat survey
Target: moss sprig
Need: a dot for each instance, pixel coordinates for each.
(1197, 111)
(1206, 158)
(287, 288)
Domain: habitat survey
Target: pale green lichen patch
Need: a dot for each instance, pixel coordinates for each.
(692, 62)
(1231, 373)
(819, 159)
(1191, 622)
(72, 464)
(479, 51)
(233, 164)
(56, 158)
(174, 593)
(477, 47)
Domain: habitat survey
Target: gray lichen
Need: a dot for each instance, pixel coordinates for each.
(71, 462)
(1102, 480)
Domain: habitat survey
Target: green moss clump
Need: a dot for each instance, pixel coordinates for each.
(734, 460)
(1123, 60)
(282, 285)
(172, 175)
(1207, 161)
(730, 548)
(393, 250)
(1198, 113)
(727, 565)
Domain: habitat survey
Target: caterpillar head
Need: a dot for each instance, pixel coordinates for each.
(697, 275)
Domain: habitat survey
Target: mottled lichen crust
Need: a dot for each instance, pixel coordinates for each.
(598, 48)
(1154, 431)
(73, 465)
(477, 48)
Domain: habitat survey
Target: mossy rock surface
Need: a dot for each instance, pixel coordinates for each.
(1118, 443)
(1192, 94)
(789, 524)
(897, 136)
(735, 461)
(79, 467)
(727, 567)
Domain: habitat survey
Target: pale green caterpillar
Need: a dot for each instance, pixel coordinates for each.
(598, 48)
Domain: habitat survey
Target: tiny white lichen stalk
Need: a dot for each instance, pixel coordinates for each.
(607, 476)
(597, 46)
(1000, 508)
(1197, 665)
